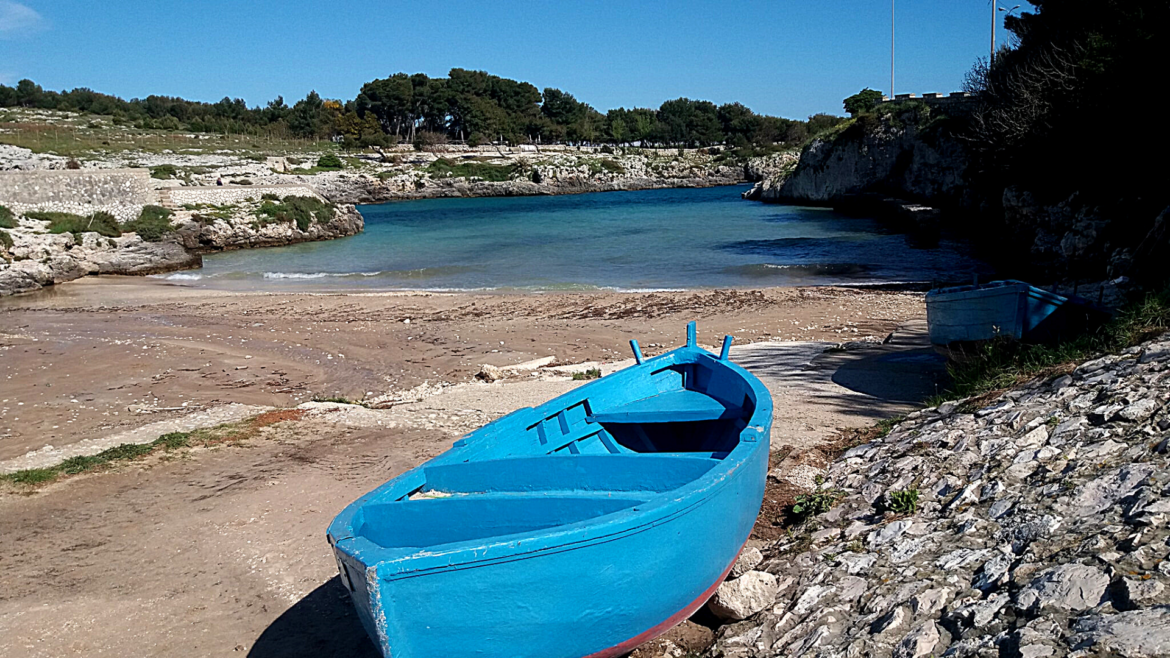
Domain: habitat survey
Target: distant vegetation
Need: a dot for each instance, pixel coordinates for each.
(102, 223)
(473, 107)
(444, 167)
(301, 210)
(7, 219)
(152, 224)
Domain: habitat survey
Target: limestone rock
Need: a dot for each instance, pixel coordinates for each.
(745, 596)
(1134, 634)
(749, 559)
(1068, 587)
(918, 642)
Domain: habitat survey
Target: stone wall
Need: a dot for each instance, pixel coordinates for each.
(230, 194)
(121, 192)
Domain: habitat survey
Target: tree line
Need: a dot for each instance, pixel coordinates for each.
(472, 107)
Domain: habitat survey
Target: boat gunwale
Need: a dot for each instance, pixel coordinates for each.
(661, 508)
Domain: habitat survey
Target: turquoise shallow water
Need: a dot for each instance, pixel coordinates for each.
(649, 240)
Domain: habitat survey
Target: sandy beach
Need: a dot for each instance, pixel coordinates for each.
(146, 558)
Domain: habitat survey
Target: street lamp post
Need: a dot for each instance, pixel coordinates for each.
(995, 9)
(892, 3)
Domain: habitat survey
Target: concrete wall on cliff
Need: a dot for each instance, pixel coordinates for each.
(121, 192)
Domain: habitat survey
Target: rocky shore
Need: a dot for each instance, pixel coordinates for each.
(1031, 525)
(33, 256)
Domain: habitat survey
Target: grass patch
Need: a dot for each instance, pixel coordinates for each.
(208, 437)
(303, 210)
(445, 168)
(7, 219)
(592, 373)
(152, 224)
(102, 223)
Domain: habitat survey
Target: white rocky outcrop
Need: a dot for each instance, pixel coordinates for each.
(1041, 531)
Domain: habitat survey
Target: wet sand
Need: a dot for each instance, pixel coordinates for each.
(220, 550)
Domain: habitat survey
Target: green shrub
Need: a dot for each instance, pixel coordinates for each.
(164, 172)
(242, 181)
(817, 502)
(102, 223)
(152, 224)
(7, 219)
(269, 196)
(303, 210)
(902, 502)
(592, 373)
(293, 161)
(5, 239)
(330, 161)
(444, 167)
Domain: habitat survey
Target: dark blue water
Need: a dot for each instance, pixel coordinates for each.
(655, 239)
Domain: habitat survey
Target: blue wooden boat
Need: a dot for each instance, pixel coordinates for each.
(582, 527)
(1005, 309)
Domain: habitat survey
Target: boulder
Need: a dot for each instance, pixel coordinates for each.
(1067, 588)
(745, 596)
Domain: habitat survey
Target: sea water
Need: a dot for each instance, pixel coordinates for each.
(647, 240)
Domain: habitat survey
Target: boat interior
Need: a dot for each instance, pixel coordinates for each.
(605, 450)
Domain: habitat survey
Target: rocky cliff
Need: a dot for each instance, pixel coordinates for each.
(1031, 525)
(904, 156)
(37, 257)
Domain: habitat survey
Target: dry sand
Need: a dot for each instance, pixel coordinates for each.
(219, 551)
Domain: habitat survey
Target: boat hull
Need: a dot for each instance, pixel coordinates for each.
(598, 599)
(977, 313)
(578, 528)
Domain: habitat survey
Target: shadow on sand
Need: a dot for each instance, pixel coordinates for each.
(321, 625)
(868, 381)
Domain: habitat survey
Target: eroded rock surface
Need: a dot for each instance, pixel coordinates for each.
(1041, 530)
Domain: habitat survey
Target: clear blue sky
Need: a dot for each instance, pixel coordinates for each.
(781, 57)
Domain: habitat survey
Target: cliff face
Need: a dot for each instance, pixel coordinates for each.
(893, 157)
(554, 175)
(898, 166)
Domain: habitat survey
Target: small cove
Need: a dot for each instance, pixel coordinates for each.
(646, 240)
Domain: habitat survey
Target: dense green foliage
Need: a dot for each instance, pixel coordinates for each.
(102, 223)
(164, 172)
(444, 167)
(152, 223)
(471, 106)
(302, 210)
(1076, 65)
(329, 162)
(865, 100)
(5, 239)
(7, 219)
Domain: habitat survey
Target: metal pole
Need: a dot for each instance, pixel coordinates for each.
(892, 4)
(993, 22)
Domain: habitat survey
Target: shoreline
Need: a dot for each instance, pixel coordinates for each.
(133, 345)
